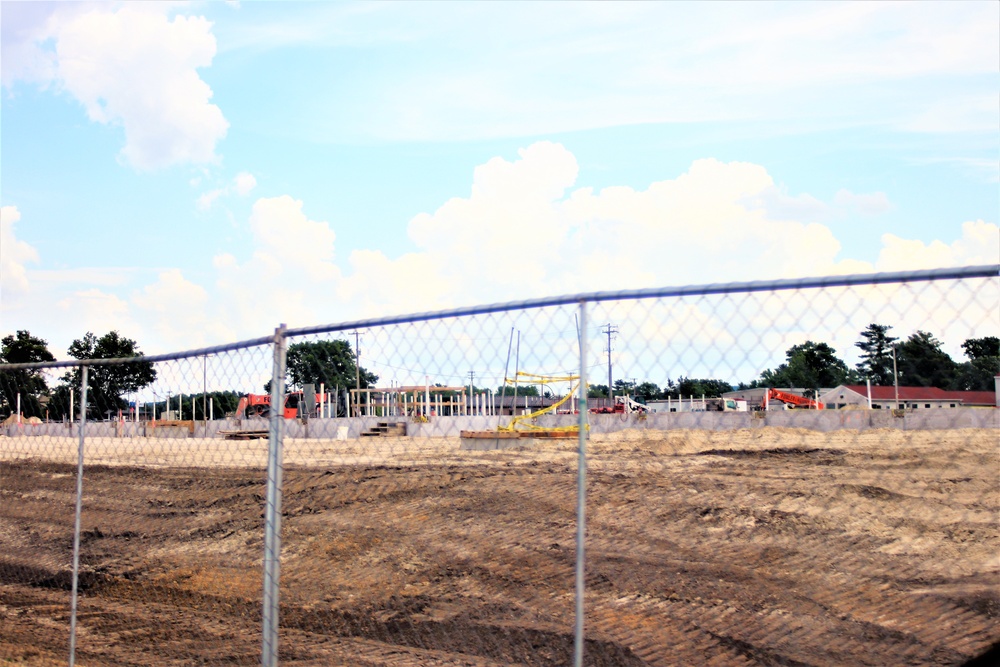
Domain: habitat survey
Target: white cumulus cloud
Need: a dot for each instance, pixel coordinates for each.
(14, 255)
(521, 231)
(873, 203)
(283, 232)
(179, 313)
(979, 244)
(98, 311)
(244, 182)
(131, 65)
(529, 233)
(290, 275)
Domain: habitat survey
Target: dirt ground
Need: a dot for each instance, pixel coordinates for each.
(757, 547)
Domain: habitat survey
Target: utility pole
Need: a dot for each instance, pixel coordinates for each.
(357, 366)
(204, 395)
(472, 376)
(610, 330)
(895, 376)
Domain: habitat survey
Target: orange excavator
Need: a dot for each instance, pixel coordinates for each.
(259, 405)
(793, 399)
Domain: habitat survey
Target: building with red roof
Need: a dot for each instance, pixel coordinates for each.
(911, 398)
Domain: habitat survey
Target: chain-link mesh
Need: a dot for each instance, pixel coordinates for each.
(169, 549)
(770, 479)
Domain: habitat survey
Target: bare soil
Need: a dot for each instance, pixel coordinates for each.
(756, 547)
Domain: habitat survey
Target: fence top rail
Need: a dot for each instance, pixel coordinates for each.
(926, 275)
(169, 356)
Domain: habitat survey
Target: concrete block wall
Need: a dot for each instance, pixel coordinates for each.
(350, 428)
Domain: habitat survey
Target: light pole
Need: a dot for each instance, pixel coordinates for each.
(895, 376)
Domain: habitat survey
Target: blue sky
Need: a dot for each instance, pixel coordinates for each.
(168, 168)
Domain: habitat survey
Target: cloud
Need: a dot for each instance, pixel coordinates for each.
(875, 203)
(511, 217)
(206, 199)
(133, 67)
(979, 244)
(242, 184)
(987, 169)
(180, 313)
(102, 276)
(290, 275)
(14, 255)
(97, 311)
(820, 65)
(25, 28)
(523, 230)
(283, 233)
(976, 112)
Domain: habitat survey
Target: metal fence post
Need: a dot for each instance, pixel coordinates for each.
(581, 492)
(272, 505)
(78, 512)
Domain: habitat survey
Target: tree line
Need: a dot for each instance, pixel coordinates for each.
(330, 362)
(107, 385)
(919, 361)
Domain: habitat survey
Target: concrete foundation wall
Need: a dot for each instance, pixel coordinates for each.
(350, 428)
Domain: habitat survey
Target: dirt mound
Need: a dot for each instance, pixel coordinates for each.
(12, 419)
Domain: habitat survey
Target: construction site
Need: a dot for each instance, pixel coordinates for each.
(423, 521)
(768, 546)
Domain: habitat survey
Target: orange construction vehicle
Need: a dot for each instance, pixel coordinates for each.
(259, 405)
(623, 405)
(792, 399)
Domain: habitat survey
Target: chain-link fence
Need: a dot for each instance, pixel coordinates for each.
(784, 473)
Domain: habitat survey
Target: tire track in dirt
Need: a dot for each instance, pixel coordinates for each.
(790, 557)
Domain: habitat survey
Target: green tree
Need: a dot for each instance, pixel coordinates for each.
(982, 348)
(23, 348)
(984, 364)
(876, 357)
(59, 402)
(522, 390)
(329, 362)
(922, 363)
(107, 384)
(753, 384)
(597, 391)
(810, 365)
(623, 387)
(685, 386)
(195, 406)
(647, 391)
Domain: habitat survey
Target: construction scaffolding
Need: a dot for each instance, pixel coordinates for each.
(409, 401)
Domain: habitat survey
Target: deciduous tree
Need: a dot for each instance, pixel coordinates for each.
(647, 391)
(983, 366)
(809, 365)
(23, 348)
(329, 362)
(685, 386)
(107, 384)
